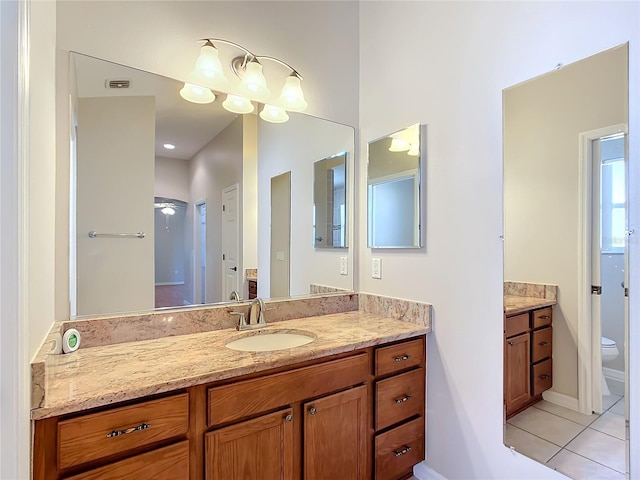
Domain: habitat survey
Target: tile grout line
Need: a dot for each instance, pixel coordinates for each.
(587, 458)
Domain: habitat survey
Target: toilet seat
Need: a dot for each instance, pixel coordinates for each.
(608, 343)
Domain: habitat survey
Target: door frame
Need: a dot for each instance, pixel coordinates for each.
(223, 231)
(198, 278)
(589, 328)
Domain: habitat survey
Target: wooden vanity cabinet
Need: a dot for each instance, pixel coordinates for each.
(527, 358)
(353, 416)
(399, 409)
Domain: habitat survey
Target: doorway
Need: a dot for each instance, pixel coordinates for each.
(280, 235)
(230, 242)
(200, 253)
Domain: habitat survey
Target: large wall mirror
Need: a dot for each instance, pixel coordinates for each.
(394, 169)
(167, 196)
(565, 266)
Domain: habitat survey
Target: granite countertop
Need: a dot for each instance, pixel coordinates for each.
(514, 304)
(98, 376)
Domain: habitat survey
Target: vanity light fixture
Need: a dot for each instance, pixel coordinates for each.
(407, 140)
(208, 75)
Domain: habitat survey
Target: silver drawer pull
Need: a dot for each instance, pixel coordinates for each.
(403, 399)
(117, 433)
(544, 317)
(288, 418)
(544, 376)
(545, 344)
(402, 358)
(312, 411)
(402, 451)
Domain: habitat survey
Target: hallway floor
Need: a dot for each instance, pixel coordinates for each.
(579, 446)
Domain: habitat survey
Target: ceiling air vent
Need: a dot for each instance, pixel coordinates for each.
(117, 83)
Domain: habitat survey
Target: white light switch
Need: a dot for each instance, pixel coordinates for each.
(280, 256)
(344, 266)
(376, 268)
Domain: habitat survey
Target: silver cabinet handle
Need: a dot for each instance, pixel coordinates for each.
(544, 376)
(403, 399)
(545, 344)
(312, 411)
(117, 433)
(402, 358)
(402, 451)
(288, 418)
(544, 317)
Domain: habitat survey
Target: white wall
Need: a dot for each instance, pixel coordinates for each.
(543, 120)
(445, 64)
(172, 178)
(115, 172)
(294, 146)
(249, 198)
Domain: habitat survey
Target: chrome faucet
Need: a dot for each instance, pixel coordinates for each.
(235, 296)
(256, 316)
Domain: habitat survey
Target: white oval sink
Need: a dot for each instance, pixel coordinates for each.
(270, 341)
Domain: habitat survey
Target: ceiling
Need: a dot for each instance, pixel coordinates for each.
(186, 125)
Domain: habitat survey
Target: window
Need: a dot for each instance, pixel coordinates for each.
(613, 195)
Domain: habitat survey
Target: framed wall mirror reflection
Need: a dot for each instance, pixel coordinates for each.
(329, 202)
(394, 171)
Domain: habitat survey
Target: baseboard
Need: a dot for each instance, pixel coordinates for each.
(615, 380)
(423, 472)
(561, 399)
(613, 374)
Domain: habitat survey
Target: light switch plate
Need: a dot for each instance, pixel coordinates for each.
(376, 268)
(344, 266)
(280, 256)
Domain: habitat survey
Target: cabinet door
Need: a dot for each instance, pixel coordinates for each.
(517, 389)
(258, 449)
(335, 436)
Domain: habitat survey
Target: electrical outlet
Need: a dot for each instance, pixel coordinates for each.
(344, 266)
(376, 268)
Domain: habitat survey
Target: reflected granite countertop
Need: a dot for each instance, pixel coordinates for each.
(514, 304)
(98, 376)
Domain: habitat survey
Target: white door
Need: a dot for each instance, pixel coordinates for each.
(230, 242)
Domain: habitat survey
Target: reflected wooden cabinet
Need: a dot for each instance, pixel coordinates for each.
(527, 358)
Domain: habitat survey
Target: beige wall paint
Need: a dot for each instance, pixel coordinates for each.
(116, 156)
(280, 255)
(543, 119)
(217, 166)
(172, 178)
(249, 191)
(295, 146)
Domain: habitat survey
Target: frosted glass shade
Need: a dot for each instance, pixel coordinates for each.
(168, 211)
(253, 84)
(399, 145)
(414, 151)
(237, 104)
(291, 97)
(274, 114)
(208, 67)
(196, 93)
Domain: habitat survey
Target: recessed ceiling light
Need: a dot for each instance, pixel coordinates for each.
(169, 146)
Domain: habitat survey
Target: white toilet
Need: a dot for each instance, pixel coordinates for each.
(609, 353)
(609, 350)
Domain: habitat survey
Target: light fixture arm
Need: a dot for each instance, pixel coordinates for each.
(249, 56)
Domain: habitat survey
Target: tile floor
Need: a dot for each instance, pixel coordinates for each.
(579, 446)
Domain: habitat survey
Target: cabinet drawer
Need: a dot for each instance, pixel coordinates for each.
(91, 437)
(241, 399)
(399, 449)
(542, 317)
(167, 463)
(516, 324)
(541, 346)
(399, 397)
(399, 357)
(542, 377)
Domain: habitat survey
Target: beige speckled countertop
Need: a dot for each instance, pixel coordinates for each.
(97, 376)
(514, 304)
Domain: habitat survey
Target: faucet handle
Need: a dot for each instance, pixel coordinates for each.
(242, 319)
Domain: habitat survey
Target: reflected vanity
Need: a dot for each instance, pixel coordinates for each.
(560, 237)
(394, 170)
(198, 199)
